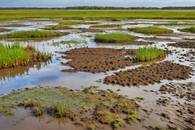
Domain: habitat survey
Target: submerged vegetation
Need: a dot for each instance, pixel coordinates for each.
(150, 30)
(190, 29)
(34, 34)
(99, 107)
(149, 54)
(114, 38)
(15, 55)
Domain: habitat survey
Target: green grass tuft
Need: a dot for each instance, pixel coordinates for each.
(150, 30)
(190, 29)
(13, 55)
(114, 38)
(149, 54)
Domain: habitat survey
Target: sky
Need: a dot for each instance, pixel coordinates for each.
(116, 3)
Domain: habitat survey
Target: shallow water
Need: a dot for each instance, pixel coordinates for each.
(51, 74)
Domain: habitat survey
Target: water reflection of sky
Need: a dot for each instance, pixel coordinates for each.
(124, 3)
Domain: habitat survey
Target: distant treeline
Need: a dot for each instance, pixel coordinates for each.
(98, 7)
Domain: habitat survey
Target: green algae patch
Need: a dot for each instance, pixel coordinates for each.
(31, 35)
(14, 55)
(98, 107)
(150, 30)
(119, 38)
(190, 30)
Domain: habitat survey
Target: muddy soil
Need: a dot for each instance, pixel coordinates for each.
(4, 30)
(183, 44)
(150, 74)
(183, 91)
(99, 59)
(182, 109)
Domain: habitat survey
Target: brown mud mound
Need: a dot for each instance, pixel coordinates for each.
(180, 110)
(183, 91)
(183, 44)
(150, 74)
(99, 59)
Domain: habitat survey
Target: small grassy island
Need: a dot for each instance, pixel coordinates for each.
(15, 55)
(150, 30)
(114, 38)
(149, 54)
(31, 35)
(190, 30)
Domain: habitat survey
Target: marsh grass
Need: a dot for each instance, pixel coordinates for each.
(6, 14)
(190, 29)
(57, 27)
(62, 103)
(13, 55)
(173, 23)
(149, 54)
(34, 34)
(114, 38)
(16, 55)
(150, 30)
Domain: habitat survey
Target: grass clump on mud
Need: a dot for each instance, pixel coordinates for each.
(150, 30)
(31, 35)
(98, 107)
(189, 29)
(15, 55)
(149, 54)
(114, 38)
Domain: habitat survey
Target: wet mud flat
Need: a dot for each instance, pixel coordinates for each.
(98, 59)
(150, 74)
(177, 101)
(187, 44)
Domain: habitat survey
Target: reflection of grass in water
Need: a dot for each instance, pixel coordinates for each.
(150, 30)
(114, 38)
(31, 34)
(149, 54)
(190, 29)
(99, 106)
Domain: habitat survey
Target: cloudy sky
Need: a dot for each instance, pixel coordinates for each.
(121, 3)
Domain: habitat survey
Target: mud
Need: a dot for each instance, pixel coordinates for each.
(183, 44)
(181, 109)
(150, 74)
(183, 91)
(98, 59)
(4, 30)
